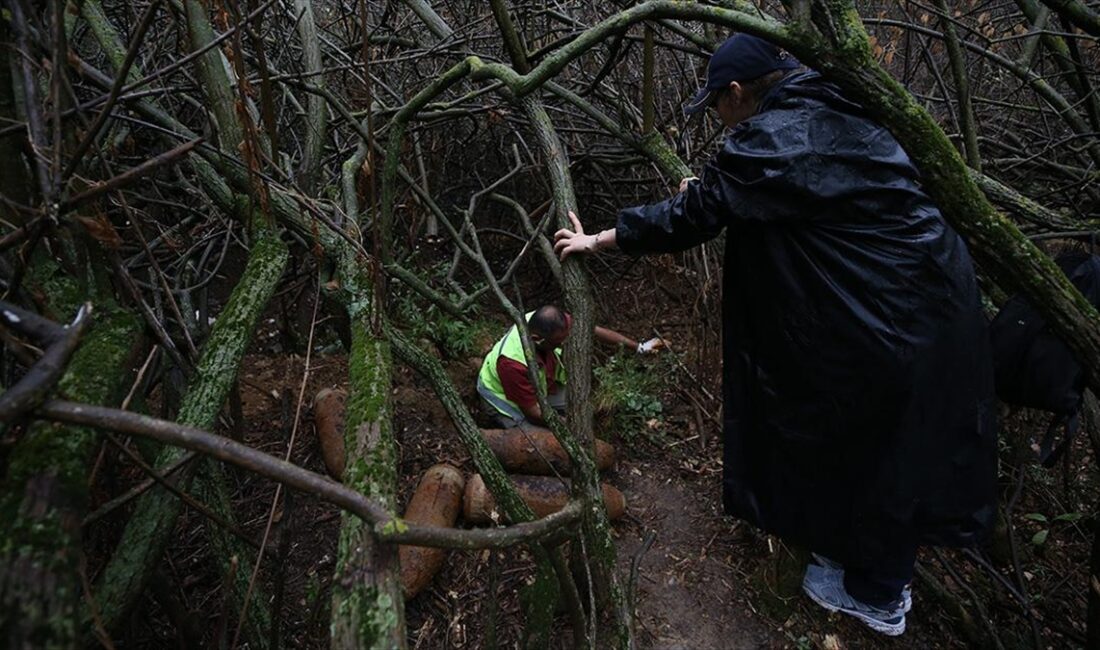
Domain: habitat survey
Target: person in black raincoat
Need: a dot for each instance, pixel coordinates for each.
(859, 413)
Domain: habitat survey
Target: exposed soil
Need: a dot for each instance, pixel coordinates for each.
(705, 581)
(689, 582)
(690, 587)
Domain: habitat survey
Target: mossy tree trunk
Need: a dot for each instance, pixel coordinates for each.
(367, 604)
(131, 571)
(44, 495)
(149, 530)
(578, 438)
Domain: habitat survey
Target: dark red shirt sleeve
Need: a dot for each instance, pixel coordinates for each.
(517, 387)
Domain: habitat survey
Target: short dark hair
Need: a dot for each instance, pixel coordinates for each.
(547, 321)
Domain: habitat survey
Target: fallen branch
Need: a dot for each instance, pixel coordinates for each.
(43, 376)
(387, 527)
(44, 331)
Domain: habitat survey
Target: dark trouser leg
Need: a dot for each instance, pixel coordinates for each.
(497, 407)
(881, 585)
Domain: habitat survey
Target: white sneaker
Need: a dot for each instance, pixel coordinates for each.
(825, 587)
(821, 560)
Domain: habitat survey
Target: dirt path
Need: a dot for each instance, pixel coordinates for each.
(690, 583)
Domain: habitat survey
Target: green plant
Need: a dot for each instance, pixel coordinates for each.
(1040, 538)
(458, 338)
(628, 393)
(455, 338)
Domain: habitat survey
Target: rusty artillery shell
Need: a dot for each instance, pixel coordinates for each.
(537, 451)
(436, 502)
(544, 494)
(328, 417)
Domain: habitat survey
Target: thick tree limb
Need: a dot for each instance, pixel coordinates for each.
(43, 331)
(367, 609)
(389, 528)
(149, 530)
(513, 44)
(44, 496)
(1077, 13)
(578, 438)
(430, 18)
(317, 116)
(1024, 207)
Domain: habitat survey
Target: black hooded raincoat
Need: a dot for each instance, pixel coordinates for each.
(858, 387)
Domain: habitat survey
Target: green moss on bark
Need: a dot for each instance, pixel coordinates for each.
(367, 605)
(44, 497)
(148, 532)
(577, 438)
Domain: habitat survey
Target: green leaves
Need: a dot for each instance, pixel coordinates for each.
(1040, 538)
(629, 389)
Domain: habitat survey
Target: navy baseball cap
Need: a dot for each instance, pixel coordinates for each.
(743, 57)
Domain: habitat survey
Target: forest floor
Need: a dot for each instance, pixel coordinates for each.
(704, 581)
(698, 584)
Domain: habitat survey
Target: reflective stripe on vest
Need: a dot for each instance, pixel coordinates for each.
(510, 347)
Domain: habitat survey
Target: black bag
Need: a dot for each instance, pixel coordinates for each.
(1033, 367)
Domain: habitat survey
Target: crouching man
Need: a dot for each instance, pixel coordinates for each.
(504, 384)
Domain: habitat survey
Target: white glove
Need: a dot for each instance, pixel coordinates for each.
(650, 346)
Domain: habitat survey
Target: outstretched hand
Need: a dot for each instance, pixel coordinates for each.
(684, 183)
(567, 242)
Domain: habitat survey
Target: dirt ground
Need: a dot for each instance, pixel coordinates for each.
(701, 579)
(690, 581)
(697, 584)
